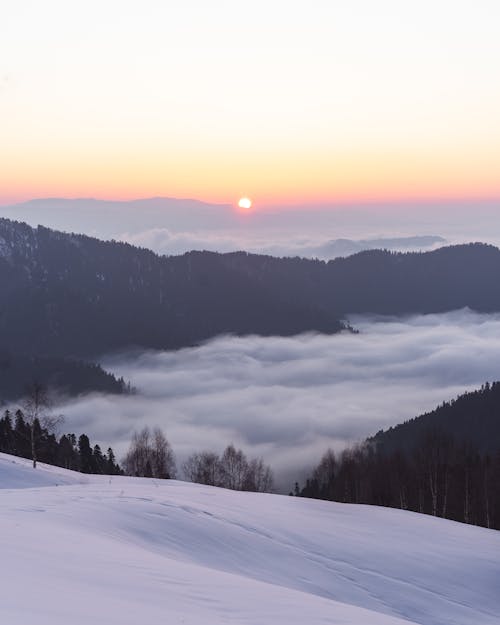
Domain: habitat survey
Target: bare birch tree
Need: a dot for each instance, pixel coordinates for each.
(36, 410)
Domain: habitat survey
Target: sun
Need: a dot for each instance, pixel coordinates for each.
(245, 203)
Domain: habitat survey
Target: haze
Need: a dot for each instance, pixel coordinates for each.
(174, 226)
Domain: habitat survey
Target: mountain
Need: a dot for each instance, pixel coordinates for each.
(70, 295)
(67, 376)
(389, 283)
(443, 463)
(79, 548)
(472, 418)
(347, 247)
(110, 218)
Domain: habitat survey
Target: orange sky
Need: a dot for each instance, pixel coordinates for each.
(289, 105)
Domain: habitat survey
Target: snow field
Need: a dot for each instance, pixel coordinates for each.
(130, 550)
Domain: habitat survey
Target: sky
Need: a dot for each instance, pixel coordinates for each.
(288, 399)
(288, 102)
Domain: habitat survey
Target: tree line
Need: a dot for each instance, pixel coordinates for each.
(439, 476)
(151, 455)
(232, 469)
(21, 436)
(30, 434)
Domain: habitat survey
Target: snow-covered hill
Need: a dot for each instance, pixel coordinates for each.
(78, 549)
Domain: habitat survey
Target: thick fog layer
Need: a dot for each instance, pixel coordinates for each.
(289, 399)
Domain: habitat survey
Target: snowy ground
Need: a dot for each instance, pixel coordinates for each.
(78, 549)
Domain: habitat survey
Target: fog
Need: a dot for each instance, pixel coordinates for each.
(173, 226)
(314, 245)
(289, 399)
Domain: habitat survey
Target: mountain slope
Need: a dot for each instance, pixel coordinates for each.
(129, 550)
(445, 463)
(71, 295)
(472, 418)
(68, 376)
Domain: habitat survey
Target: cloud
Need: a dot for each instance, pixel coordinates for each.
(165, 241)
(288, 399)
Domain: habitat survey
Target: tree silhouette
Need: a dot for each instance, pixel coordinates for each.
(37, 417)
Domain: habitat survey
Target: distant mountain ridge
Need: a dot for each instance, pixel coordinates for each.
(108, 218)
(347, 247)
(174, 226)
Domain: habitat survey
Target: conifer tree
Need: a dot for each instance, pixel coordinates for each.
(85, 454)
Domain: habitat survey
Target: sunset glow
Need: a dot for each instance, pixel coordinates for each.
(245, 204)
(348, 102)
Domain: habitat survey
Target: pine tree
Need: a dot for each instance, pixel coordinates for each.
(85, 454)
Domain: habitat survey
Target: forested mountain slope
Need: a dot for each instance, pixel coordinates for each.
(67, 375)
(71, 295)
(74, 295)
(472, 418)
(445, 463)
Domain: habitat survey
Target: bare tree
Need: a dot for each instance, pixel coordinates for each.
(435, 455)
(326, 473)
(36, 410)
(150, 455)
(135, 460)
(163, 460)
(203, 468)
(259, 477)
(232, 470)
